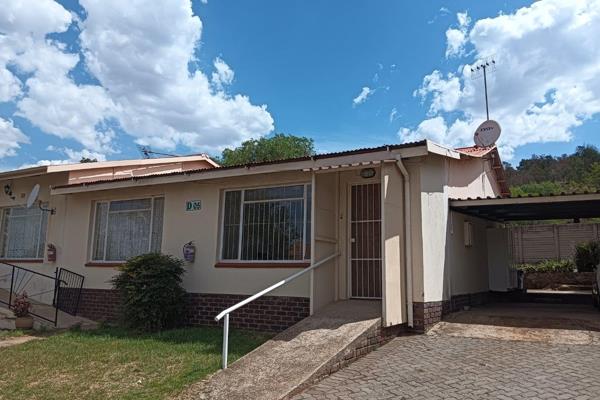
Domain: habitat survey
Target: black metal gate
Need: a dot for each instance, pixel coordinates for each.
(47, 294)
(68, 293)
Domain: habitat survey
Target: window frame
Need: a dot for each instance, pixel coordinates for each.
(104, 261)
(40, 235)
(262, 263)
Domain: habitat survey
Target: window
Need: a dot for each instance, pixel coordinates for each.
(266, 224)
(23, 232)
(126, 228)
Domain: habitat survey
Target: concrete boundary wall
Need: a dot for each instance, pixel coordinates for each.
(533, 243)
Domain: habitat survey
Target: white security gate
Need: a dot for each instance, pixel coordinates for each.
(365, 241)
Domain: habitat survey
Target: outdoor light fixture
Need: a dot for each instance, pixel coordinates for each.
(367, 173)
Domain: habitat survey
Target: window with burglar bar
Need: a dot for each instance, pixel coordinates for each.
(126, 228)
(266, 224)
(23, 232)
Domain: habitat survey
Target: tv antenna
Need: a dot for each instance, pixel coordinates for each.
(147, 152)
(481, 68)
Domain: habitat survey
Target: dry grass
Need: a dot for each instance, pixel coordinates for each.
(115, 364)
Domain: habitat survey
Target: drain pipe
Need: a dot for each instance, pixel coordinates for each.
(407, 240)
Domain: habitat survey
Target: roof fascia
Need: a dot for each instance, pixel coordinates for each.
(525, 200)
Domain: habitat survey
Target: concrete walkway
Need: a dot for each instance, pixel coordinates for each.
(17, 340)
(531, 315)
(293, 358)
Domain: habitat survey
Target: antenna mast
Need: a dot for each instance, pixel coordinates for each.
(481, 68)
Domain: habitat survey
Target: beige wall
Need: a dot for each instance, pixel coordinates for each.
(441, 267)
(394, 265)
(179, 228)
(324, 278)
(468, 269)
(471, 177)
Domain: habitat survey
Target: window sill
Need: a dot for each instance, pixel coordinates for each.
(104, 264)
(22, 260)
(262, 265)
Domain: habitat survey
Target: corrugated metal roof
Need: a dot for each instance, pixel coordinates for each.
(257, 164)
(574, 205)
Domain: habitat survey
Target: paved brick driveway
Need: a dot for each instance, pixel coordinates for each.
(442, 367)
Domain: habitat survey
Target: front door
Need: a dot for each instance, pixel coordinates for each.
(365, 241)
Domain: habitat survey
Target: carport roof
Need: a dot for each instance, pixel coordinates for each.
(560, 206)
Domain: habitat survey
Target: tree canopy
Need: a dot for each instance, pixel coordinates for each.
(544, 174)
(277, 147)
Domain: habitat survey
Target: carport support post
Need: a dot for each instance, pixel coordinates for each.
(225, 342)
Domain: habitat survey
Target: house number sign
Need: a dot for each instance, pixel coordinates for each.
(193, 205)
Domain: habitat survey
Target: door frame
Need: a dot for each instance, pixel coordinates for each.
(349, 203)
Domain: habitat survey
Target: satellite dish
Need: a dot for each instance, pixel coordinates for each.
(33, 195)
(487, 133)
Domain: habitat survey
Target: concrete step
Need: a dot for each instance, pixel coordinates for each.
(313, 348)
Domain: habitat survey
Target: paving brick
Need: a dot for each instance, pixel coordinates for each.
(442, 367)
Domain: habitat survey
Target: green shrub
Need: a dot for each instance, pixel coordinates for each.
(151, 292)
(587, 256)
(548, 266)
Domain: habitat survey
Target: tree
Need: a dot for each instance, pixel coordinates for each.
(544, 174)
(277, 147)
(87, 160)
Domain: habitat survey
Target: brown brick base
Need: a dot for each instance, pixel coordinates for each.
(269, 313)
(427, 314)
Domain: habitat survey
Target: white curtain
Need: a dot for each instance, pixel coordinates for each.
(124, 229)
(23, 232)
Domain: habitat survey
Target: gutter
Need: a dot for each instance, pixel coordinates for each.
(407, 240)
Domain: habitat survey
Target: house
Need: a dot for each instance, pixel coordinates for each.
(382, 214)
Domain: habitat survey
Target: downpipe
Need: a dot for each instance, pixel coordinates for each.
(407, 240)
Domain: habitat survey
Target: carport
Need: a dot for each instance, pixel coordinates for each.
(506, 209)
(536, 308)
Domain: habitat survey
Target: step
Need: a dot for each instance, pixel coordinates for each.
(299, 356)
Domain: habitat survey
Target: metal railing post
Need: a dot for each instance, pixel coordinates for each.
(225, 342)
(12, 279)
(225, 313)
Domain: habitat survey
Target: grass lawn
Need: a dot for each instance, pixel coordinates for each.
(110, 363)
(11, 334)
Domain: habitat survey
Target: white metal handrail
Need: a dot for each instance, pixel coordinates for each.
(225, 313)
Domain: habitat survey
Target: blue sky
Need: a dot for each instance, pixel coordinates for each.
(97, 78)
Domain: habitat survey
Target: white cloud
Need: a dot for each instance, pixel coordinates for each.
(393, 115)
(141, 54)
(547, 81)
(223, 74)
(456, 38)
(362, 96)
(445, 91)
(33, 17)
(72, 157)
(11, 138)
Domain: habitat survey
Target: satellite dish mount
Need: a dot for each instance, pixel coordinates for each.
(33, 198)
